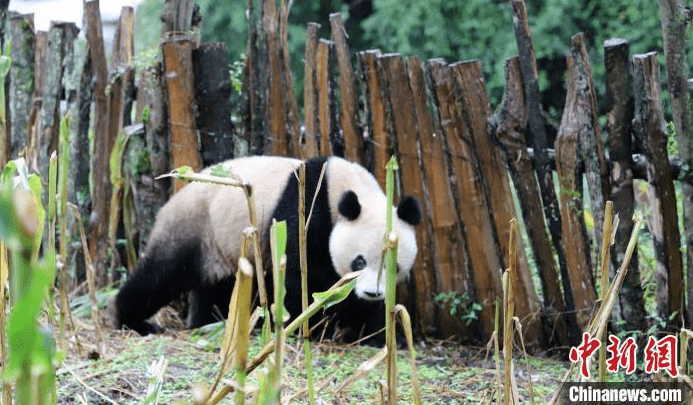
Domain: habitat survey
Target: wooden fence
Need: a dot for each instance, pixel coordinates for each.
(456, 155)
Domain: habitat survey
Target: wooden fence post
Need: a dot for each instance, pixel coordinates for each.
(406, 131)
(276, 111)
(378, 127)
(47, 136)
(476, 109)
(326, 106)
(470, 199)
(349, 116)
(631, 305)
(663, 223)
(101, 197)
(508, 126)
(21, 82)
(594, 160)
(293, 124)
(448, 259)
(212, 97)
(178, 68)
(78, 93)
(538, 141)
(310, 93)
(580, 294)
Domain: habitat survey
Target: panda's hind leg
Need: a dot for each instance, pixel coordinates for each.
(209, 303)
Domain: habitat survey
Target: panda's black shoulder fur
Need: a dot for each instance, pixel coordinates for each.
(358, 316)
(322, 272)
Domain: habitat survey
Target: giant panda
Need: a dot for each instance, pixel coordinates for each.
(196, 240)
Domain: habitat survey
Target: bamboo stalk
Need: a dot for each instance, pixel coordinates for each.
(391, 286)
(303, 257)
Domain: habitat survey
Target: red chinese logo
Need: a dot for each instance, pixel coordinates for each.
(583, 352)
(662, 354)
(621, 355)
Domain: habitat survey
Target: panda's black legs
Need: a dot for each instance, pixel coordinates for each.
(209, 303)
(157, 280)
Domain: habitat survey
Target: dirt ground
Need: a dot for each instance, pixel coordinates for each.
(116, 371)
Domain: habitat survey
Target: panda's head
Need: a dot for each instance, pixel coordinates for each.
(357, 236)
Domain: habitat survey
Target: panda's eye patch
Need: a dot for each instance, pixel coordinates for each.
(358, 264)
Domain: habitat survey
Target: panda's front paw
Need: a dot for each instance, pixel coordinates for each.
(145, 328)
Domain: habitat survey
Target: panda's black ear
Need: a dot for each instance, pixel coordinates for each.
(349, 206)
(409, 210)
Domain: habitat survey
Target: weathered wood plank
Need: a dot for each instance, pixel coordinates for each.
(101, 197)
(21, 82)
(663, 222)
(538, 141)
(276, 112)
(631, 306)
(326, 107)
(470, 202)
(293, 126)
(151, 193)
(185, 150)
(447, 254)
(476, 109)
(310, 92)
(596, 171)
(51, 92)
(378, 127)
(581, 295)
(508, 127)
(406, 131)
(349, 112)
(675, 18)
(213, 99)
(124, 38)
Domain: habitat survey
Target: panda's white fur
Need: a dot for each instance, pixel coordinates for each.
(196, 239)
(364, 235)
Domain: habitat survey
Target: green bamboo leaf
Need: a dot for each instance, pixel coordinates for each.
(335, 296)
(220, 170)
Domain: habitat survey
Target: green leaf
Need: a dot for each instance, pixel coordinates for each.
(335, 296)
(220, 170)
